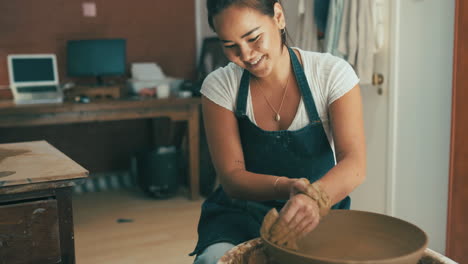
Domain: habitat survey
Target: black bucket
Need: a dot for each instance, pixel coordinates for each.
(157, 171)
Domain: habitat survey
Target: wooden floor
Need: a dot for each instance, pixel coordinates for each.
(159, 231)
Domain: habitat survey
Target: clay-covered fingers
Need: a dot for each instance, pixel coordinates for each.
(324, 208)
(268, 221)
(290, 241)
(281, 228)
(307, 226)
(305, 181)
(299, 186)
(306, 218)
(283, 236)
(278, 231)
(290, 216)
(298, 218)
(275, 229)
(292, 206)
(325, 204)
(317, 194)
(289, 237)
(313, 193)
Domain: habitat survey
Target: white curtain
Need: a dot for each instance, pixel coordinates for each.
(306, 29)
(361, 35)
(354, 31)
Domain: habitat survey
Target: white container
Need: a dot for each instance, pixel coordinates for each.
(184, 94)
(163, 90)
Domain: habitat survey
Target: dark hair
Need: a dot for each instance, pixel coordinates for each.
(214, 7)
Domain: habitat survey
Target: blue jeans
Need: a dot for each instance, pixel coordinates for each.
(213, 253)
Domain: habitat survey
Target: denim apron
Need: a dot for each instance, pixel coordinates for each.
(303, 153)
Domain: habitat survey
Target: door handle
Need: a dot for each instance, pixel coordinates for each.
(377, 79)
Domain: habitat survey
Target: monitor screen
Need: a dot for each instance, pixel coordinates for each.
(33, 69)
(96, 57)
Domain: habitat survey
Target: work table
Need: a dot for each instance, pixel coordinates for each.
(36, 221)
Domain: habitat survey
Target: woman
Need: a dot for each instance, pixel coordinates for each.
(272, 116)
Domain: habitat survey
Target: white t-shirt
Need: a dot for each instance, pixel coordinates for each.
(329, 78)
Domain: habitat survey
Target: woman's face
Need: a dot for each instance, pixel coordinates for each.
(251, 39)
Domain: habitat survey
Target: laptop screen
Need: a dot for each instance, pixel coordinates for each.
(34, 78)
(33, 70)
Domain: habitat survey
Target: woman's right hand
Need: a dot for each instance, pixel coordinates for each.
(300, 213)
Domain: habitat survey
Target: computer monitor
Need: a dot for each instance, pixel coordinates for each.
(96, 58)
(34, 78)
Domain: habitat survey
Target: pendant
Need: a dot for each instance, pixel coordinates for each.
(277, 118)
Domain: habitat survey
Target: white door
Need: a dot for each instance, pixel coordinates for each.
(372, 194)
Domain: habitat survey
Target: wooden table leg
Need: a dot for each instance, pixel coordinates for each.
(194, 151)
(67, 237)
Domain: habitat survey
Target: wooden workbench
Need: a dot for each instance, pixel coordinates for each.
(36, 221)
(177, 109)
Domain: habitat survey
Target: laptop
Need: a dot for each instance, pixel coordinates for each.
(34, 78)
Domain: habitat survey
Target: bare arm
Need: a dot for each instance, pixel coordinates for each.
(226, 152)
(228, 159)
(299, 212)
(348, 134)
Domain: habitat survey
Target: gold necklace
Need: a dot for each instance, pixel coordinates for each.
(277, 117)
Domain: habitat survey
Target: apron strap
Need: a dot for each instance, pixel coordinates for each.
(241, 104)
(304, 87)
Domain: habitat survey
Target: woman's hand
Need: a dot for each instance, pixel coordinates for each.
(301, 213)
(298, 186)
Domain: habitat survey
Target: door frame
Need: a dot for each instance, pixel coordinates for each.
(457, 222)
(393, 56)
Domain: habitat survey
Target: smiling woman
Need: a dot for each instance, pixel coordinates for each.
(242, 31)
(273, 116)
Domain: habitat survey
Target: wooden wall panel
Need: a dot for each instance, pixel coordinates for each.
(156, 30)
(457, 222)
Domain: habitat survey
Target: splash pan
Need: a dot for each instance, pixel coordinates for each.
(356, 237)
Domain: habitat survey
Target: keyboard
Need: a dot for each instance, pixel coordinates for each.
(38, 94)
